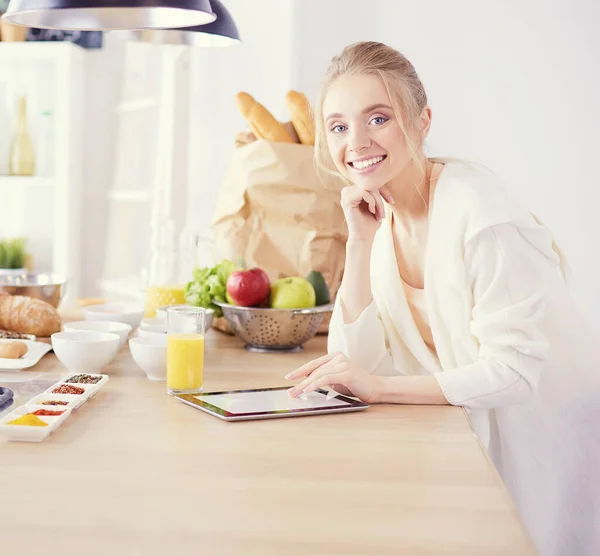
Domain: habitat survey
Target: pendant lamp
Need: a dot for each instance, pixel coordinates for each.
(106, 15)
(221, 32)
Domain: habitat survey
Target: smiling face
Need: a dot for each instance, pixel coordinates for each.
(364, 137)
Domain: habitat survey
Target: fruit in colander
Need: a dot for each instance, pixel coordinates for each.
(292, 292)
(248, 287)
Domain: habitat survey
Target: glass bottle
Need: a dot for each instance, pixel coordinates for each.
(5, 134)
(22, 157)
(164, 287)
(44, 147)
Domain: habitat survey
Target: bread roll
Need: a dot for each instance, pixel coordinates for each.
(263, 123)
(13, 349)
(28, 315)
(301, 114)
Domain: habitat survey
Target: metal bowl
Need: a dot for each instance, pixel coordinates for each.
(279, 330)
(47, 287)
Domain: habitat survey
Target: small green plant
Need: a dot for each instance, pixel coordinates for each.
(12, 253)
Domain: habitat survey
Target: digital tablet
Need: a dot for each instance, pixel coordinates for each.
(266, 403)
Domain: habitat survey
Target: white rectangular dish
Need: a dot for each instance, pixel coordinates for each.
(35, 351)
(71, 400)
(75, 378)
(25, 433)
(89, 391)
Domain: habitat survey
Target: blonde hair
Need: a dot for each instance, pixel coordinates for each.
(407, 96)
(404, 88)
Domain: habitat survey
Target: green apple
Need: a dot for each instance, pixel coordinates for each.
(228, 298)
(293, 292)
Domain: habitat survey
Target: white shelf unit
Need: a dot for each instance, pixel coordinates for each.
(47, 209)
(150, 176)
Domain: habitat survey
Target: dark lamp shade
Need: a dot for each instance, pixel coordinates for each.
(107, 15)
(222, 32)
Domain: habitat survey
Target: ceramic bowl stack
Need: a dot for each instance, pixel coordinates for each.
(115, 312)
(149, 348)
(150, 354)
(84, 351)
(121, 329)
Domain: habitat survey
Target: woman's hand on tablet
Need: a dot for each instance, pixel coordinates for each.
(338, 372)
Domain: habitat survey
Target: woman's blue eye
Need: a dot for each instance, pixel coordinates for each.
(379, 120)
(338, 128)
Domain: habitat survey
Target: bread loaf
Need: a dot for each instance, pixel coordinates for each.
(13, 349)
(301, 114)
(27, 315)
(263, 123)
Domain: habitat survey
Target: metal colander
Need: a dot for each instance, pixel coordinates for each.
(274, 329)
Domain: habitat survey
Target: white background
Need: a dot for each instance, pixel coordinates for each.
(514, 85)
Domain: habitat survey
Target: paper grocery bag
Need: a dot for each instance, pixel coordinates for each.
(276, 212)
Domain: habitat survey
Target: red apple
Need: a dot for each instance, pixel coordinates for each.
(248, 287)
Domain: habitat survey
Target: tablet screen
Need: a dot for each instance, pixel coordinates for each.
(260, 401)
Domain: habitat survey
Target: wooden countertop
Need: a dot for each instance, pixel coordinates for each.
(135, 472)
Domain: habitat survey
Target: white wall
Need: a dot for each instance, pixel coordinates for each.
(102, 88)
(260, 66)
(513, 85)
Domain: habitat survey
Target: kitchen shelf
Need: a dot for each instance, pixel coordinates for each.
(35, 51)
(25, 181)
(47, 210)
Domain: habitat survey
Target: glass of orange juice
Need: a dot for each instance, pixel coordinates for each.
(185, 349)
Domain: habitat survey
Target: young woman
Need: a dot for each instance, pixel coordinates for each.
(455, 294)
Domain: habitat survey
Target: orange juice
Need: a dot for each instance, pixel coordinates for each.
(185, 362)
(160, 296)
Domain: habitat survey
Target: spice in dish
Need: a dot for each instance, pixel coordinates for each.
(28, 420)
(53, 402)
(47, 412)
(84, 379)
(68, 389)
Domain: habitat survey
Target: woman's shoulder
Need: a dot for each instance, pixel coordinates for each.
(472, 197)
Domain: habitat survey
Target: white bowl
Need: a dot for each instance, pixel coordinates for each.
(119, 312)
(150, 353)
(152, 330)
(154, 320)
(84, 351)
(119, 328)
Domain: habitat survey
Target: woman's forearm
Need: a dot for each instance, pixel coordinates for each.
(410, 390)
(355, 290)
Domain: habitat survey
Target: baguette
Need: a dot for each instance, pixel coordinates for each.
(263, 123)
(27, 315)
(13, 350)
(301, 114)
